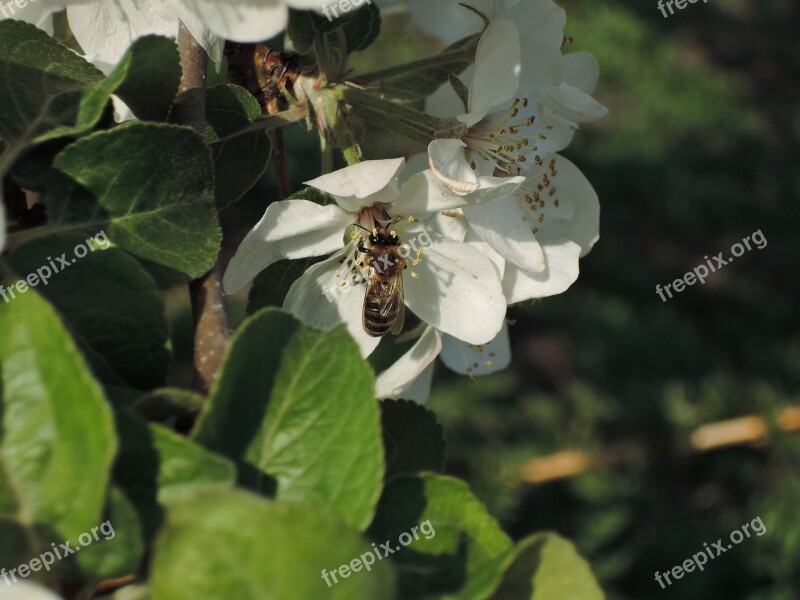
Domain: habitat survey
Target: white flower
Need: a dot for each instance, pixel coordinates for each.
(521, 105)
(566, 226)
(105, 29)
(454, 287)
(411, 376)
(22, 590)
(36, 13)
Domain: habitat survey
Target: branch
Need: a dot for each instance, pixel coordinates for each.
(211, 327)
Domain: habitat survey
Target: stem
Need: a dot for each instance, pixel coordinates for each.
(267, 123)
(407, 130)
(211, 327)
(279, 164)
(465, 52)
(392, 113)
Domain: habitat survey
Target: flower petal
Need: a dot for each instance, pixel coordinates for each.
(424, 193)
(577, 216)
(289, 229)
(444, 102)
(351, 185)
(582, 70)
(253, 21)
(457, 291)
(506, 227)
(317, 299)
(396, 380)
(541, 26)
(23, 590)
(561, 271)
(449, 21)
(105, 29)
(448, 162)
(572, 103)
(467, 359)
(497, 68)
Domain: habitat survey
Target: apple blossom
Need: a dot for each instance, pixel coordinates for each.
(453, 286)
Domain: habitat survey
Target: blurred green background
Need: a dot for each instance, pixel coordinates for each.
(700, 150)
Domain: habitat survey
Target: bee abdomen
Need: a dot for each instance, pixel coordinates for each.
(377, 320)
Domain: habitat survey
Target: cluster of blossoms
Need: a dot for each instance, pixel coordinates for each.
(509, 218)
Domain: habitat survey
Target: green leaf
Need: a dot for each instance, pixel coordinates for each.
(118, 547)
(168, 403)
(155, 465)
(56, 434)
(361, 27)
(299, 404)
(272, 284)
(152, 192)
(152, 73)
(240, 161)
(413, 439)
(46, 90)
(108, 301)
(547, 566)
(464, 557)
(302, 29)
(232, 544)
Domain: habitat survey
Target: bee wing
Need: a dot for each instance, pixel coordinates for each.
(398, 299)
(387, 293)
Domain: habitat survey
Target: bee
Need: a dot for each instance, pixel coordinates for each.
(263, 72)
(384, 307)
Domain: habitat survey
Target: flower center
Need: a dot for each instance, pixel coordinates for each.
(504, 138)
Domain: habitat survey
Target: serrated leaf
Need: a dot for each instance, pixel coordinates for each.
(241, 161)
(231, 544)
(547, 566)
(465, 555)
(155, 465)
(299, 404)
(152, 193)
(56, 434)
(46, 90)
(152, 73)
(413, 439)
(109, 303)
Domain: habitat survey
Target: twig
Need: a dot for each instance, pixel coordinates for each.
(211, 327)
